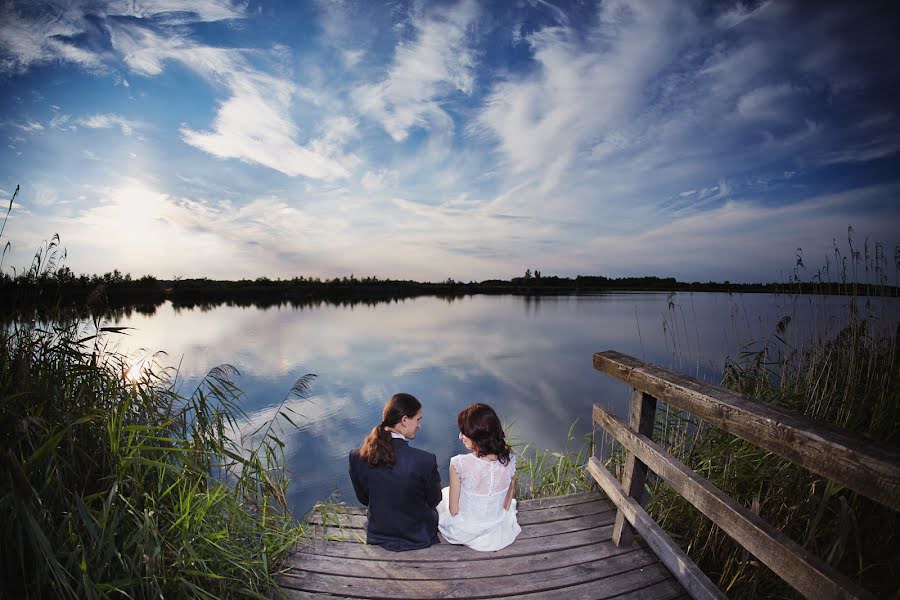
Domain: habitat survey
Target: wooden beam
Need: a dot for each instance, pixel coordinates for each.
(683, 568)
(643, 417)
(866, 467)
(793, 563)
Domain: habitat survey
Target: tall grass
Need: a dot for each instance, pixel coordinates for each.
(843, 372)
(542, 473)
(114, 485)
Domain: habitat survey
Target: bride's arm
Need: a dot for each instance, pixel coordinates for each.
(509, 494)
(454, 491)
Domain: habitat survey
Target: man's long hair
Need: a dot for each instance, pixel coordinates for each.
(376, 449)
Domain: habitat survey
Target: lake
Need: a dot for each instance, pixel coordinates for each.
(528, 357)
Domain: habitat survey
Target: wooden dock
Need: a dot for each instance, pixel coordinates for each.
(603, 544)
(565, 550)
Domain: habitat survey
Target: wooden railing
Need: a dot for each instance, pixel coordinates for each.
(870, 469)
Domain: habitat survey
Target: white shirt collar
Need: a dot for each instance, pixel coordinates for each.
(394, 434)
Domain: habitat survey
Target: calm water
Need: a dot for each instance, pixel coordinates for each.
(530, 358)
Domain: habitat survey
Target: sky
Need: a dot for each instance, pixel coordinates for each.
(467, 140)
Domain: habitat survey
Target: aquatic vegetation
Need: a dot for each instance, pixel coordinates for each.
(843, 371)
(114, 484)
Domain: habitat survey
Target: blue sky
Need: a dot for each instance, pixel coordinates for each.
(465, 139)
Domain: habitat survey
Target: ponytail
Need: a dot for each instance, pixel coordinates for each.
(376, 449)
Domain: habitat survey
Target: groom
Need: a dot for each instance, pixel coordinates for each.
(400, 484)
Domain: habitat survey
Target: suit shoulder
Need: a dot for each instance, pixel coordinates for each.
(422, 455)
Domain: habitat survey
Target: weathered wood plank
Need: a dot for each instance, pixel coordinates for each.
(449, 552)
(619, 586)
(607, 517)
(643, 417)
(667, 589)
(472, 585)
(558, 501)
(529, 517)
(869, 468)
(684, 569)
(523, 505)
(798, 567)
(648, 583)
(494, 566)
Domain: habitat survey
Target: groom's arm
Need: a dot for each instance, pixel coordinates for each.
(361, 489)
(433, 491)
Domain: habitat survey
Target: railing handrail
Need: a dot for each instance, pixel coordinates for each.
(866, 467)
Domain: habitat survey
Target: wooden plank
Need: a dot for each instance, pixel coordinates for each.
(448, 552)
(652, 582)
(388, 569)
(472, 585)
(619, 586)
(349, 534)
(558, 501)
(688, 574)
(643, 417)
(523, 505)
(668, 589)
(798, 567)
(866, 467)
(529, 517)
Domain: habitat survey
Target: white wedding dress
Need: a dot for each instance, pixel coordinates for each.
(481, 523)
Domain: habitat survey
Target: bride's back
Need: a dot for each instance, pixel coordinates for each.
(483, 484)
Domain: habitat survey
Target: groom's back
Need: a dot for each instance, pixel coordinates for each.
(401, 497)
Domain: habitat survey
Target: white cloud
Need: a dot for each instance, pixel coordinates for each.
(577, 98)
(767, 102)
(44, 195)
(41, 38)
(254, 123)
(738, 14)
(30, 126)
(436, 63)
(373, 181)
(732, 240)
(352, 57)
(105, 121)
(180, 11)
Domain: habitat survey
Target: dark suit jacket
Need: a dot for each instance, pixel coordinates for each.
(401, 498)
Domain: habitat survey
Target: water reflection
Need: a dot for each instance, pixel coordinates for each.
(530, 358)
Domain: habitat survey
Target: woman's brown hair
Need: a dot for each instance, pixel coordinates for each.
(376, 449)
(480, 423)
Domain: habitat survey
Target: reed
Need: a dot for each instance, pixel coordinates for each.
(844, 371)
(542, 473)
(115, 485)
(119, 486)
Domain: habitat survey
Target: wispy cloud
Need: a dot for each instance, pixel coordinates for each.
(182, 11)
(45, 36)
(434, 64)
(254, 123)
(467, 138)
(105, 121)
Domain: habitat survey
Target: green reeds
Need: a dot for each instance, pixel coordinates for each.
(844, 372)
(114, 485)
(546, 473)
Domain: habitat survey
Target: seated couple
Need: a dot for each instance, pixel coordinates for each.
(402, 487)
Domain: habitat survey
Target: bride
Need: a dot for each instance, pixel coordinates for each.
(478, 508)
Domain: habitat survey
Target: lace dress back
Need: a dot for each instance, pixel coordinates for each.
(482, 522)
(483, 483)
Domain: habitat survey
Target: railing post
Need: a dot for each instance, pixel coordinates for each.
(643, 416)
